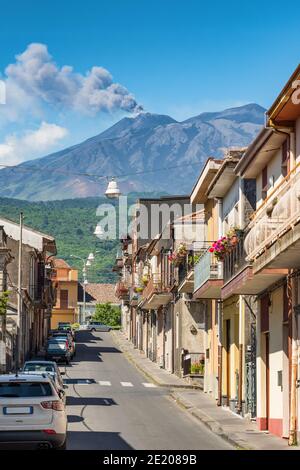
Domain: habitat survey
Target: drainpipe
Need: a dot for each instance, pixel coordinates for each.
(220, 306)
(293, 363)
(220, 322)
(241, 354)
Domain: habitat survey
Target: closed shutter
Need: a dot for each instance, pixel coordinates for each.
(264, 313)
(64, 299)
(285, 304)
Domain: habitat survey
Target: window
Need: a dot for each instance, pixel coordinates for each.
(64, 299)
(25, 389)
(264, 182)
(285, 162)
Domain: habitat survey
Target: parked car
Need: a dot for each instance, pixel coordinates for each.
(32, 413)
(97, 326)
(66, 327)
(68, 337)
(58, 349)
(48, 367)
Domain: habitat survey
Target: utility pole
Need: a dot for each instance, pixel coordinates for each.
(19, 342)
(84, 293)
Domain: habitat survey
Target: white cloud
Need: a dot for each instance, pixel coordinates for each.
(36, 79)
(31, 144)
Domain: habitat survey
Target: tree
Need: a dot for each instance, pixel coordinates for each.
(108, 314)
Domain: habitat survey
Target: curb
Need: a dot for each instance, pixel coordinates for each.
(201, 416)
(148, 375)
(210, 423)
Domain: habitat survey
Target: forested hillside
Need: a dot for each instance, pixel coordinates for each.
(72, 222)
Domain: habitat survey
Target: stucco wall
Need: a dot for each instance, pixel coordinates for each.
(274, 170)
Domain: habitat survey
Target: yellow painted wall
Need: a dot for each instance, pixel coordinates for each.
(66, 279)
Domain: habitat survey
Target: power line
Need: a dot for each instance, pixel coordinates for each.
(16, 168)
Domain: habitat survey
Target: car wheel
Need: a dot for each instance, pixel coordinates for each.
(93, 330)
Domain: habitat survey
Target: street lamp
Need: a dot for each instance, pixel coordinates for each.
(86, 262)
(113, 191)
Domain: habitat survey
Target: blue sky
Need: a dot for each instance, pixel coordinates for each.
(173, 57)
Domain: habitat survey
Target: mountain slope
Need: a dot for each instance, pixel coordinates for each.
(135, 148)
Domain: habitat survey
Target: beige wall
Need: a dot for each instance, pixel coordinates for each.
(274, 169)
(276, 353)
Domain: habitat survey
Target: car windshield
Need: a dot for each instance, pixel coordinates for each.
(57, 345)
(39, 367)
(25, 389)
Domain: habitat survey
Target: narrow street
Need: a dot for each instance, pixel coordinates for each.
(112, 406)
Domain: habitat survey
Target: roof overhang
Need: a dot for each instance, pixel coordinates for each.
(30, 237)
(259, 153)
(210, 168)
(223, 180)
(285, 109)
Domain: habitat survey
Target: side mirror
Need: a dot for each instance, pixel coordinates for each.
(62, 373)
(61, 393)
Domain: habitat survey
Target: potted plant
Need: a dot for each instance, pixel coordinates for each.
(138, 290)
(220, 248)
(197, 368)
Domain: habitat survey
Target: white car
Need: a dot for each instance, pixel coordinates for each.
(32, 413)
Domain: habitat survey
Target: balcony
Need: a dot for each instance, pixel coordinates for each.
(274, 234)
(186, 273)
(208, 278)
(134, 297)
(234, 261)
(122, 291)
(155, 294)
(239, 277)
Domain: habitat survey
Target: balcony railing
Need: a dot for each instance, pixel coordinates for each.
(134, 297)
(207, 268)
(235, 260)
(154, 285)
(188, 264)
(275, 217)
(121, 290)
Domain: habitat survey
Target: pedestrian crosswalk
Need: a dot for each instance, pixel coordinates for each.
(107, 383)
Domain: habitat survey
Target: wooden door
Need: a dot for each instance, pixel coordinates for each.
(64, 299)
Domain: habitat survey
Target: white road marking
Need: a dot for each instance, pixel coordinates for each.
(107, 402)
(149, 385)
(104, 383)
(126, 384)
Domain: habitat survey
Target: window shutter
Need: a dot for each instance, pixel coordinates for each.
(264, 313)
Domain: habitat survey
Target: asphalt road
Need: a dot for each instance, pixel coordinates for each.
(112, 406)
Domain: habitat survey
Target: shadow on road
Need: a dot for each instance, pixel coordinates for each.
(90, 401)
(87, 337)
(75, 419)
(79, 381)
(96, 441)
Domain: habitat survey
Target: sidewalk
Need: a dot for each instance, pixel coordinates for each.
(240, 432)
(150, 369)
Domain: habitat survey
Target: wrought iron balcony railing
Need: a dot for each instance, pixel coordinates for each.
(234, 260)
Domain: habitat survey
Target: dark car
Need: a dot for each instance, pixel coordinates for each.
(58, 350)
(65, 334)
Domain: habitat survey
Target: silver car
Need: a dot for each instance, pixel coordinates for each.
(97, 326)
